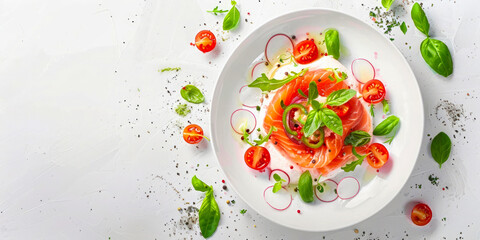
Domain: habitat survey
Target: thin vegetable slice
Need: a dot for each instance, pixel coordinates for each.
(284, 175)
(326, 191)
(250, 97)
(348, 188)
(280, 200)
(362, 70)
(243, 119)
(278, 43)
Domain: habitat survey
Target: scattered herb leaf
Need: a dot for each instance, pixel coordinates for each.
(357, 138)
(168, 69)
(420, 19)
(216, 11)
(192, 94)
(387, 4)
(403, 27)
(182, 110)
(440, 148)
(437, 55)
(232, 18)
(266, 84)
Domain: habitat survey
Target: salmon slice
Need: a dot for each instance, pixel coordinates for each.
(320, 158)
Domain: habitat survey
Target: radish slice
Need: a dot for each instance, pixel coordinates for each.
(329, 193)
(250, 97)
(362, 70)
(243, 119)
(258, 69)
(282, 174)
(348, 188)
(280, 200)
(278, 43)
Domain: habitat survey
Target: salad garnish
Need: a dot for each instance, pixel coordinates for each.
(440, 148)
(264, 139)
(403, 27)
(386, 107)
(278, 183)
(387, 4)
(266, 84)
(209, 214)
(243, 211)
(305, 187)
(232, 18)
(332, 41)
(386, 126)
(357, 138)
(192, 94)
(182, 110)
(351, 166)
(216, 11)
(420, 19)
(168, 69)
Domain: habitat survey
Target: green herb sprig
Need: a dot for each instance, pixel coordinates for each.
(278, 183)
(168, 69)
(209, 214)
(351, 166)
(266, 84)
(440, 148)
(217, 11)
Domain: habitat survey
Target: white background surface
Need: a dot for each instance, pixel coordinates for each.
(91, 147)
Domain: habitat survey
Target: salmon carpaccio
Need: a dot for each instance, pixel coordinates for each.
(333, 154)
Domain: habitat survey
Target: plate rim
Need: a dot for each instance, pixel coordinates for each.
(293, 13)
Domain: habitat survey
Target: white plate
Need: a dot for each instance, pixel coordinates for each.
(360, 40)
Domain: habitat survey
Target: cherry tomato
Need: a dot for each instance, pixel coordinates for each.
(421, 214)
(257, 157)
(341, 110)
(305, 52)
(377, 155)
(373, 91)
(205, 41)
(193, 134)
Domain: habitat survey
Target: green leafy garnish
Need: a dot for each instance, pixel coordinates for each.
(246, 137)
(440, 148)
(420, 19)
(182, 110)
(232, 18)
(386, 126)
(357, 138)
(305, 187)
(387, 4)
(337, 76)
(437, 55)
(314, 120)
(192, 94)
(332, 41)
(216, 11)
(301, 93)
(168, 69)
(340, 97)
(386, 107)
(332, 121)
(265, 139)
(372, 110)
(278, 183)
(351, 166)
(266, 84)
(403, 27)
(312, 91)
(209, 213)
(243, 211)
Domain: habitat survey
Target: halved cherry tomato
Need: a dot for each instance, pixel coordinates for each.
(421, 214)
(341, 110)
(305, 52)
(205, 41)
(373, 91)
(193, 134)
(377, 155)
(257, 157)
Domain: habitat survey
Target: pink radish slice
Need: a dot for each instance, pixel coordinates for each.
(277, 44)
(282, 174)
(280, 200)
(250, 97)
(348, 188)
(243, 119)
(362, 70)
(258, 69)
(329, 191)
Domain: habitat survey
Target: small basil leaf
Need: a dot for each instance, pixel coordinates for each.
(357, 138)
(387, 4)
(316, 105)
(263, 140)
(266, 84)
(340, 97)
(199, 185)
(313, 123)
(192, 94)
(209, 215)
(305, 187)
(386, 107)
(403, 27)
(276, 177)
(420, 19)
(312, 91)
(301, 93)
(277, 186)
(386, 126)
(437, 56)
(332, 41)
(332, 121)
(232, 18)
(440, 148)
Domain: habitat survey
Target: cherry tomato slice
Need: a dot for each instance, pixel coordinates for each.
(341, 110)
(205, 41)
(257, 157)
(421, 214)
(193, 134)
(373, 91)
(305, 52)
(377, 155)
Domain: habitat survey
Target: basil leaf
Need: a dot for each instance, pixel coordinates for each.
(199, 185)
(332, 121)
(265, 139)
(301, 93)
(266, 84)
(209, 215)
(276, 177)
(351, 166)
(312, 91)
(316, 105)
(372, 110)
(440, 148)
(313, 122)
(332, 41)
(357, 138)
(305, 187)
(340, 97)
(420, 19)
(387, 4)
(386, 126)
(437, 56)
(403, 27)
(192, 94)
(232, 18)
(386, 107)
(277, 186)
